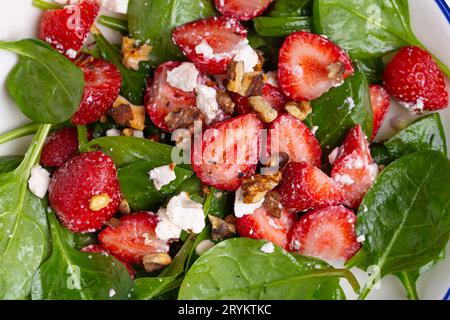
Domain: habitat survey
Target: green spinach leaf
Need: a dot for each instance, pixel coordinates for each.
(291, 8)
(9, 163)
(281, 26)
(373, 69)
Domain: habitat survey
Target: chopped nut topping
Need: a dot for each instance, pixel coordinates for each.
(246, 84)
(126, 114)
(272, 203)
(225, 102)
(99, 201)
(182, 118)
(235, 75)
(259, 66)
(221, 229)
(231, 218)
(156, 261)
(113, 222)
(336, 71)
(128, 132)
(103, 119)
(124, 207)
(132, 53)
(265, 110)
(255, 188)
(299, 110)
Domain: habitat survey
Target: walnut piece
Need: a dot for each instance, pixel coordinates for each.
(126, 114)
(265, 110)
(221, 229)
(336, 71)
(132, 53)
(246, 84)
(124, 207)
(272, 203)
(156, 261)
(299, 110)
(182, 118)
(225, 102)
(255, 188)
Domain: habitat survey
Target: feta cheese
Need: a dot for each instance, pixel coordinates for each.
(268, 248)
(242, 209)
(361, 239)
(246, 54)
(165, 229)
(186, 213)
(138, 134)
(416, 108)
(72, 54)
(118, 6)
(183, 77)
(314, 130)
(204, 246)
(39, 181)
(207, 102)
(111, 293)
(113, 133)
(205, 49)
(162, 176)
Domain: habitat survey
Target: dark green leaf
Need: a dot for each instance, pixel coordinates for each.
(373, 69)
(115, 24)
(291, 8)
(9, 163)
(380, 154)
(281, 26)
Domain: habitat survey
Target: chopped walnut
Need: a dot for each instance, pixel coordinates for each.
(246, 84)
(272, 203)
(124, 207)
(225, 102)
(259, 66)
(336, 71)
(255, 188)
(126, 114)
(235, 75)
(112, 223)
(299, 110)
(265, 110)
(221, 229)
(182, 118)
(127, 132)
(132, 53)
(156, 261)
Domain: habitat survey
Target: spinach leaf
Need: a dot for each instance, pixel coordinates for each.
(405, 216)
(45, 85)
(373, 69)
(380, 153)
(114, 23)
(70, 274)
(153, 22)
(238, 269)
(281, 26)
(9, 163)
(24, 238)
(291, 8)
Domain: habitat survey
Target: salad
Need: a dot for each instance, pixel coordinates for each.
(223, 149)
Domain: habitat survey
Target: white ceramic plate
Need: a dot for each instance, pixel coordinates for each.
(19, 20)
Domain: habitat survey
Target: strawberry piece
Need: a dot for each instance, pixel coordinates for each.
(101, 89)
(272, 94)
(218, 38)
(328, 234)
(380, 102)
(133, 238)
(60, 147)
(98, 248)
(306, 187)
(261, 225)
(288, 134)
(67, 29)
(229, 152)
(310, 65)
(415, 80)
(354, 169)
(86, 181)
(242, 10)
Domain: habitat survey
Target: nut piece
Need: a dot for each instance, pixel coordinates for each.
(156, 261)
(225, 102)
(299, 110)
(112, 223)
(255, 188)
(124, 207)
(235, 75)
(265, 110)
(182, 118)
(126, 114)
(127, 132)
(336, 71)
(221, 229)
(132, 53)
(99, 202)
(246, 84)
(272, 203)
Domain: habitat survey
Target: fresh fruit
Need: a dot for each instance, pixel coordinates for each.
(85, 192)
(210, 43)
(133, 238)
(288, 134)
(98, 248)
(328, 234)
(272, 94)
(380, 102)
(354, 169)
(415, 80)
(67, 29)
(101, 89)
(306, 187)
(261, 225)
(310, 65)
(60, 147)
(242, 10)
(228, 153)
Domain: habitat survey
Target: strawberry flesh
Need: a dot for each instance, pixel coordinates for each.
(380, 102)
(242, 10)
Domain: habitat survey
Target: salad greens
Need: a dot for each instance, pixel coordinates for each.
(281, 26)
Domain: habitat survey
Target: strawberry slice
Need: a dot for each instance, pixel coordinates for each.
(133, 238)
(67, 29)
(272, 94)
(328, 234)
(261, 225)
(98, 248)
(354, 169)
(380, 102)
(210, 43)
(306, 187)
(288, 134)
(242, 10)
(310, 65)
(228, 153)
(101, 89)
(60, 147)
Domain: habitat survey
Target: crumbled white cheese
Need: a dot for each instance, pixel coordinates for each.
(118, 6)
(162, 176)
(204, 246)
(314, 130)
(205, 49)
(138, 134)
(113, 133)
(350, 102)
(415, 108)
(111, 293)
(246, 54)
(242, 209)
(39, 181)
(207, 102)
(183, 77)
(268, 248)
(272, 78)
(165, 229)
(186, 213)
(361, 239)
(72, 54)
(344, 179)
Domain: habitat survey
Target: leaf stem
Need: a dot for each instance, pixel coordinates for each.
(23, 131)
(32, 156)
(44, 5)
(371, 282)
(410, 286)
(116, 24)
(82, 137)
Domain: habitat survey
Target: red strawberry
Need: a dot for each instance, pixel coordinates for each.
(98, 248)
(242, 10)
(310, 65)
(228, 153)
(380, 102)
(306, 187)
(67, 29)
(288, 134)
(272, 94)
(327, 234)
(133, 238)
(219, 34)
(60, 147)
(415, 80)
(261, 225)
(354, 169)
(85, 192)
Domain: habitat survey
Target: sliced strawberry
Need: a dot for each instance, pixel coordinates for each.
(272, 94)
(261, 225)
(210, 43)
(380, 102)
(310, 65)
(354, 169)
(85, 192)
(242, 10)
(328, 234)
(60, 147)
(306, 187)
(229, 152)
(67, 29)
(98, 248)
(288, 134)
(101, 89)
(415, 80)
(133, 238)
